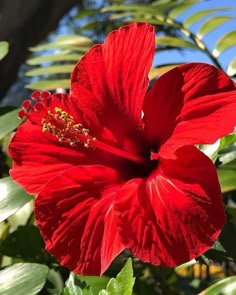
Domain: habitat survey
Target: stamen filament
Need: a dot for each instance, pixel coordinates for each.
(118, 152)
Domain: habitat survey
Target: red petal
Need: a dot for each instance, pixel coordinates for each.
(174, 215)
(191, 104)
(75, 215)
(37, 156)
(111, 80)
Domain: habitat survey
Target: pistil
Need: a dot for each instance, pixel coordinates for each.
(63, 126)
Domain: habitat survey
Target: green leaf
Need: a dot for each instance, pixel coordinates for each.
(85, 12)
(201, 14)
(49, 84)
(224, 43)
(71, 288)
(82, 43)
(174, 42)
(212, 24)
(56, 57)
(58, 69)
(12, 197)
(211, 150)
(231, 71)
(229, 231)
(124, 282)
(23, 279)
(95, 283)
(182, 7)
(25, 243)
(227, 178)
(85, 285)
(4, 47)
(9, 122)
(227, 141)
(112, 8)
(223, 287)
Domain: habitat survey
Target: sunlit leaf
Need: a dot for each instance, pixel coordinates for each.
(63, 41)
(57, 69)
(23, 279)
(227, 140)
(71, 288)
(182, 7)
(231, 71)
(84, 285)
(94, 282)
(201, 14)
(174, 42)
(49, 84)
(160, 70)
(112, 8)
(62, 56)
(12, 197)
(223, 287)
(211, 150)
(123, 283)
(212, 24)
(85, 12)
(227, 176)
(224, 43)
(4, 47)
(56, 282)
(9, 122)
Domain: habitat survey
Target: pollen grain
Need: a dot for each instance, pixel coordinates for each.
(63, 126)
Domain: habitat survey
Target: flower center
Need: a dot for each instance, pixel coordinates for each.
(67, 131)
(62, 125)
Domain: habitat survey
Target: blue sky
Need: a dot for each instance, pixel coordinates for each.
(210, 39)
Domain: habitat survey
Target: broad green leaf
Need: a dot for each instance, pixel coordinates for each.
(9, 122)
(12, 197)
(223, 287)
(25, 243)
(227, 140)
(56, 282)
(84, 285)
(231, 71)
(95, 283)
(212, 24)
(23, 279)
(201, 14)
(58, 69)
(82, 43)
(227, 178)
(4, 47)
(227, 157)
(62, 56)
(211, 150)
(182, 7)
(49, 84)
(123, 283)
(174, 42)
(71, 288)
(224, 43)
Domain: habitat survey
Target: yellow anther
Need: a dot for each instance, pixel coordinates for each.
(63, 126)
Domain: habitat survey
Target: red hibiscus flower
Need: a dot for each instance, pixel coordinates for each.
(114, 166)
